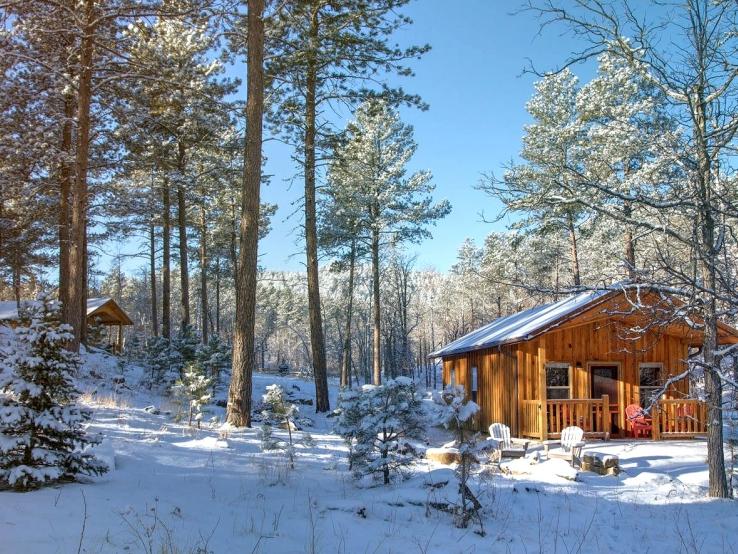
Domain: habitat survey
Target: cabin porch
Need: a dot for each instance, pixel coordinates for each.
(670, 418)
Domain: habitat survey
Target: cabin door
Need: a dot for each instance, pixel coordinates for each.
(605, 379)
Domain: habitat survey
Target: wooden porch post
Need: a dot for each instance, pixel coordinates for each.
(120, 338)
(656, 421)
(606, 416)
(542, 419)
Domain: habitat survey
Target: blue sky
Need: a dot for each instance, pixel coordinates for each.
(473, 80)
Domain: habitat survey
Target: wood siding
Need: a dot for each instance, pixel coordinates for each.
(496, 383)
(511, 378)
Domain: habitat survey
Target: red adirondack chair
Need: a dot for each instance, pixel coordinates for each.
(639, 421)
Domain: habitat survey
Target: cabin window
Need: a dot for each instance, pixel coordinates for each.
(558, 384)
(474, 384)
(452, 377)
(650, 383)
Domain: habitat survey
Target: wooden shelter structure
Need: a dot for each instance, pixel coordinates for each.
(580, 361)
(100, 311)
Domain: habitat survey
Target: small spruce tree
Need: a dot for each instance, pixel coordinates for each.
(455, 414)
(186, 343)
(349, 419)
(42, 435)
(163, 361)
(214, 356)
(195, 387)
(377, 421)
(278, 410)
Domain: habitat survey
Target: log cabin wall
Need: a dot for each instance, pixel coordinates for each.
(607, 341)
(511, 379)
(496, 383)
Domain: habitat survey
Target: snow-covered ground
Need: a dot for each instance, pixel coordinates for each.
(175, 489)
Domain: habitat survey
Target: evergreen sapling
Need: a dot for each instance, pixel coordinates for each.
(456, 413)
(42, 431)
(278, 410)
(195, 387)
(378, 420)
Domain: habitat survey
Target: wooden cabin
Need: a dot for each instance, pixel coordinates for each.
(581, 361)
(100, 311)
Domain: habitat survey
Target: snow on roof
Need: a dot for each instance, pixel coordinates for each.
(520, 326)
(9, 309)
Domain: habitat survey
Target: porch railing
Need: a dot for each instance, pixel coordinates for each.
(530, 418)
(591, 414)
(679, 418)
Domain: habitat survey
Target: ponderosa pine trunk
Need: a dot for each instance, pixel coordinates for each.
(166, 274)
(376, 313)
(317, 342)
(184, 275)
(65, 187)
(239, 392)
(717, 479)
(571, 229)
(204, 274)
(346, 366)
(77, 296)
(629, 244)
(217, 297)
(152, 275)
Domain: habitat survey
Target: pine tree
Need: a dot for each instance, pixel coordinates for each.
(329, 54)
(369, 186)
(42, 435)
(195, 387)
(456, 413)
(214, 357)
(279, 411)
(378, 420)
(550, 152)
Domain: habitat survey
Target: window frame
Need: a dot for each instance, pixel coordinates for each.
(659, 379)
(568, 387)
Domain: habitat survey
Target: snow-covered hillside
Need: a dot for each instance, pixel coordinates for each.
(176, 489)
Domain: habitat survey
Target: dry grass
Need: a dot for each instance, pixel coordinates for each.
(107, 400)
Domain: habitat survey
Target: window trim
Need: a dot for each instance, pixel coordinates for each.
(568, 387)
(474, 382)
(641, 365)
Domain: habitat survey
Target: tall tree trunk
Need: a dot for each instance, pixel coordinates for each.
(204, 274)
(629, 244)
(184, 275)
(77, 298)
(85, 287)
(217, 297)
(16, 271)
(239, 393)
(152, 271)
(166, 274)
(574, 249)
(65, 187)
(376, 313)
(708, 256)
(346, 366)
(317, 342)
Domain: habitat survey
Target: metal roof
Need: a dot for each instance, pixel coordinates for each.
(521, 326)
(9, 309)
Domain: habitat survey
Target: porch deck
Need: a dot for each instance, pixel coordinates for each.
(672, 418)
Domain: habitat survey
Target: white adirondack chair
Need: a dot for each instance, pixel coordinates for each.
(569, 446)
(507, 447)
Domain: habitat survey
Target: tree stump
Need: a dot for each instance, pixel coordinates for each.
(600, 463)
